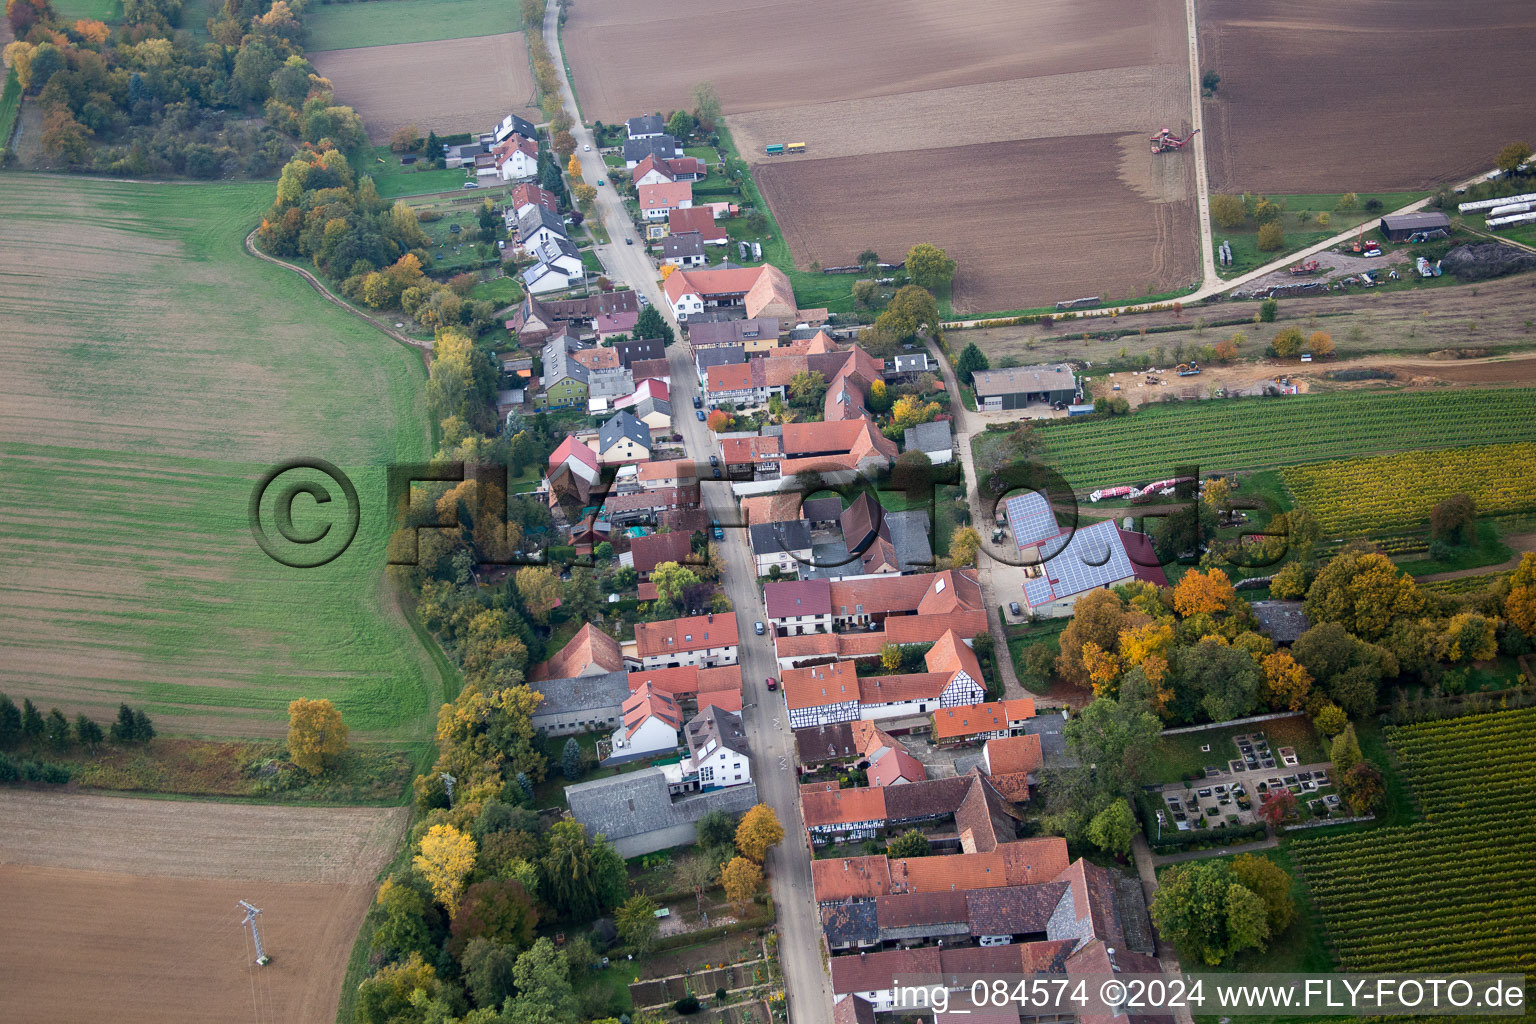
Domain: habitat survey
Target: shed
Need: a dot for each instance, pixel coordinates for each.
(1399, 227)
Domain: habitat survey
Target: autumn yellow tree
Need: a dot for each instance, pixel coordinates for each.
(758, 832)
(667, 270)
(1210, 593)
(1217, 495)
(1099, 616)
(1104, 669)
(540, 590)
(964, 545)
(910, 410)
(743, 881)
(1286, 683)
(1320, 343)
(316, 734)
(583, 193)
(447, 857)
(890, 657)
(1520, 605)
(573, 168)
(1146, 647)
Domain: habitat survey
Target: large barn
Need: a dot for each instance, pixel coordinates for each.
(1400, 227)
(1022, 386)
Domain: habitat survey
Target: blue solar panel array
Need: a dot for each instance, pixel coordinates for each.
(1094, 557)
(1031, 519)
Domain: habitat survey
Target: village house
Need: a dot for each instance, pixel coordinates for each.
(707, 641)
(651, 404)
(718, 757)
(661, 146)
(683, 250)
(697, 218)
(785, 546)
(759, 335)
(573, 473)
(1061, 565)
(656, 201)
(623, 439)
(651, 550)
(650, 721)
(762, 291)
(536, 225)
(516, 158)
(835, 692)
(648, 506)
(654, 170)
(528, 194)
(694, 687)
(639, 814)
(510, 125)
(751, 458)
(934, 440)
(975, 723)
(1023, 386)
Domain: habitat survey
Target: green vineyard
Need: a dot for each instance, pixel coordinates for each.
(1456, 891)
(1393, 492)
(1261, 433)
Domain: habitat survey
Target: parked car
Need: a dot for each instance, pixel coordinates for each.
(758, 628)
(700, 414)
(1013, 606)
(471, 184)
(714, 460)
(586, 149)
(773, 684)
(714, 528)
(698, 403)
(643, 300)
(628, 240)
(716, 472)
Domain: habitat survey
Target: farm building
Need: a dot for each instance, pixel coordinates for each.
(1399, 227)
(638, 814)
(1068, 563)
(1023, 386)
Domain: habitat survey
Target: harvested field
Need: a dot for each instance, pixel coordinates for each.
(1060, 221)
(447, 86)
(798, 52)
(154, 372)
(1323, 95)
(104, 893)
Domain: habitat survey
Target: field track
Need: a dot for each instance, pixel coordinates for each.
(446, 86)
(125, 910)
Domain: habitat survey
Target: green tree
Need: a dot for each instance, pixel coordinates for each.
(971, 359)
(1290, 583)
(964, 545)
(399, 993)
(489, 972)
(32, 725)
(1206, 914)
(1268, 881)
(1363, 592)
(87, 733)
(672, 582)
(706, 105)
(1228, 211)
(1271, 237)
(1362, 788)
(495, 909)
(1247, 918)
(1288, 342)
(1345, 751)
(911, 843)
(742, 881)
(1454, 521)
(581, 598)
(1210, 80)
(543, 982)
(912, 474)
(1267, 310)
(651, 324)
(807, 388)
(56, 730)
(10, 722)
(570, 761)
(1113, 828)
(1039, 664)
(1330, 719)
(1116, 741)
(930, 267)
(1512, 156)
(680, 124)
(525, 787)
(637, 923)
(403, 931)
(717, 828)
(916, 305)
(581, 878)
(1225, 679)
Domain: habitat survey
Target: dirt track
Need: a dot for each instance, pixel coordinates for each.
(126, 910)
(1036, 221)
(1350, 95)
(453, 85)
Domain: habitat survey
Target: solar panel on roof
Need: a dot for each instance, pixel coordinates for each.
(1031, 519)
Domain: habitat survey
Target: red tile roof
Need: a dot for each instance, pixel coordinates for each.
(649, 164)
(668, 469)
(694, 633)
(748, 451)
(968, 720)
(899, 629)
(1014, 754)
(665, 195)
(695, 218)
(771, 508)
(529, 194)
(643, 369)
(571, 447)
(788, 598)
(889, 689)
(951, 654)
(870, 972)
(647, 702)
(725, 700)
(597, 358)
(689, 680)
(895, 764)
(820, 685)
(728, 377)
(590, 648)
(850, 878)
(823, 803)
(916, 909)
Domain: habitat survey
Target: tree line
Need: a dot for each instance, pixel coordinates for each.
(27, 728)
(145, 98)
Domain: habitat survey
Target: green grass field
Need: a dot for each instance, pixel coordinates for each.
(10, 106)
(154, 372)
(1303, 231)
(101, 10)
(394, 179)
(349, 26)
(1264, 433)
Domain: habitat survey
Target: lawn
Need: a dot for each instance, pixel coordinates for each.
(394, 179)
(154, 373)
(10, 106)
(1300, 232)
(503, 291)
(1178, 757)
(1261, 433)
(99, 10)
(349, 26)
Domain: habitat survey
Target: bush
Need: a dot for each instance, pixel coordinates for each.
(687, 1005)
(1267, 310)
(1271, 237)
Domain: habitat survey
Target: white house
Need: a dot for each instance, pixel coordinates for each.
(513, 124)
(659, 200)
(559, 267)
(799, 606)
(651, 722)
(707, 641)
(786, 545)
(646, 126)
(536, 225)
(717, 753)
(623, 439)
(544, 279)
(517, 159)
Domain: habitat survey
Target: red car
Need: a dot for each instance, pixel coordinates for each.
(773, 684)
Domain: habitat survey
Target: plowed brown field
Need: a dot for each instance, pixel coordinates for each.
(1029, 222)
(448, 86)
(125, 910)
(1356, 95)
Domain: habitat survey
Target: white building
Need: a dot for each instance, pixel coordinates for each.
(717, 754)
(517, 159)
(651, 721)
(707, 641)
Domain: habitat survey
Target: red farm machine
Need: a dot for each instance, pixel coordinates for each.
(1306, 267)
(1166, 141)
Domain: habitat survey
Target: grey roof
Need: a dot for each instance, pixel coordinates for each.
(535, 217)
(725, 355)
(663, 147)
(929, 437)
(650, 404)
(714, 724)
(1284, 621)
(682, 245)
(645, 124)
(631, 349)
(637, 802)
(539, 271)
(790, 535)
(552, 249)
(730, 331)
(614, 382)
(512, 123)
(558, 364)
(850, 923)
(582, 693)
(1020, 379)
(1415, 221)
(912, 362)
(825, 742)
(909, 536)
(820, 510)
(621, 426)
